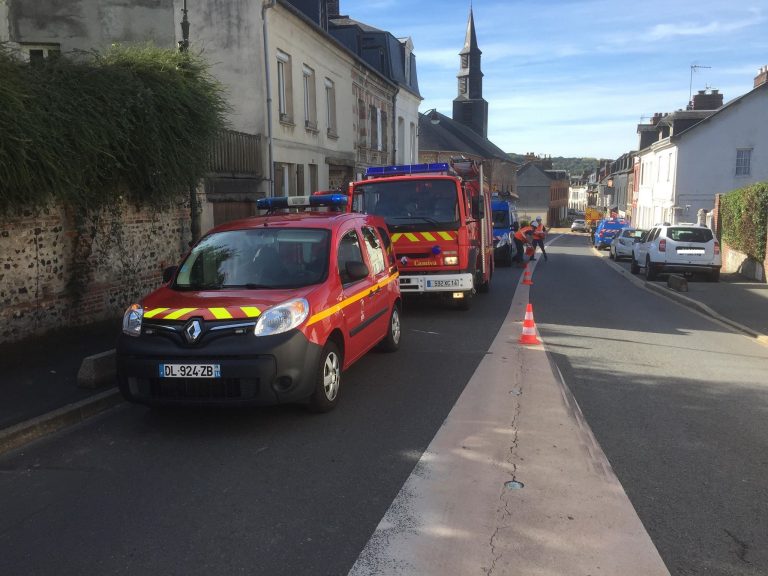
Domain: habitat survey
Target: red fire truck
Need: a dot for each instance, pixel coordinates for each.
(441, 224)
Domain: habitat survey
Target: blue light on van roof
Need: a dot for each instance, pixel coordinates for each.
(282, 202)
(403, 169)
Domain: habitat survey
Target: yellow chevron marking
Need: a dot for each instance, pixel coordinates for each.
(411, 237)
(428, 236)
(396, 236)
(445, 235)
(176, 314)
(250, 311)
(154, 312)
(220, 313)
(322, 315)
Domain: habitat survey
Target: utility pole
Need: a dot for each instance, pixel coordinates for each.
(184, 42)
(690, 84)
(194, 205)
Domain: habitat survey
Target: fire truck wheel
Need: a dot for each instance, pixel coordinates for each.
(327, 379)
(391, 341)
(484, 287)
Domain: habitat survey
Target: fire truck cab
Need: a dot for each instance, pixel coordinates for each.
(441, 224)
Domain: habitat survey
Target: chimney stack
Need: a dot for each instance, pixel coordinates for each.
(704, 101)
(333, 8)
(762, 76)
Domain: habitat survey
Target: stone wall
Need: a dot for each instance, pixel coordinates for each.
(122, 255)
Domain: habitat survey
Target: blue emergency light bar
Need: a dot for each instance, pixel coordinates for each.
(281, 202)
(403, 169)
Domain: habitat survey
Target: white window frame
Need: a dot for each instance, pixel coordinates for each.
(330, 106)
(310, 98)
(284, 92)
(743, 161)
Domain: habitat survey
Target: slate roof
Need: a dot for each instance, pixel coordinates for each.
(452, 136)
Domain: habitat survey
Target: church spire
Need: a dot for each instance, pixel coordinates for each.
(470, 41)
(469, 108)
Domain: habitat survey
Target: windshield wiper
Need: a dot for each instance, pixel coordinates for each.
(424, 218)
(194, 287)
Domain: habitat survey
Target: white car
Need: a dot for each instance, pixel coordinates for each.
(579, 226)
(677, 248)
(622, 244)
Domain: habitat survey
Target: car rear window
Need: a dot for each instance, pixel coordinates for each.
(690, 234)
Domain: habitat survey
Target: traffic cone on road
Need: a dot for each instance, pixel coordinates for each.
(527, 280)
(529, 328)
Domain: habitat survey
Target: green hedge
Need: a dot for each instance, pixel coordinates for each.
(73, 130)
(744, 219)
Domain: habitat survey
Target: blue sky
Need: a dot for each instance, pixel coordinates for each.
(574, 78)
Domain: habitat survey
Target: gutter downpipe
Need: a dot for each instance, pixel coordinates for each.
(265, 34)
(394, 127)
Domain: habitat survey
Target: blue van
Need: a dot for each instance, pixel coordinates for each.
(606, 230)
(505, 224)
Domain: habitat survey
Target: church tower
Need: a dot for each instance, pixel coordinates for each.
(469, 107)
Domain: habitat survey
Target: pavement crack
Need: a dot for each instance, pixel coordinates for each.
(741, 553)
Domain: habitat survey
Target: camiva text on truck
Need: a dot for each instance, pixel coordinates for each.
(441, 223)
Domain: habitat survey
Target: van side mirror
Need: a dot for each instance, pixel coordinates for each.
(169, 273)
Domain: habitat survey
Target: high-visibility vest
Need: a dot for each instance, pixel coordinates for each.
(539, 233)
(520, 234)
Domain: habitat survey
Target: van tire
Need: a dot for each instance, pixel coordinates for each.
(650, 272)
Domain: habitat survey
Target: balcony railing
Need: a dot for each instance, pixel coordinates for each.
(237, 154)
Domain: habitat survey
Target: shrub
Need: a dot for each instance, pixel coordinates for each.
(744, 219)
(75, 129)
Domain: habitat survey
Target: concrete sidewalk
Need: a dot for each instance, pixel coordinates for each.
(39, 384)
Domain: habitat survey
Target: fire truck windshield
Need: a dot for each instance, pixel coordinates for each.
(410, 203)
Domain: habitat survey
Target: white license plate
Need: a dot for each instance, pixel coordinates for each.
(445, 283)
(190, 371)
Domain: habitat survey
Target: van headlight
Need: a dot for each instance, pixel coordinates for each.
(132, 320)
(281, 318)
(451, 260)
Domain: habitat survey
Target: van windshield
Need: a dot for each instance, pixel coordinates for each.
(256, 258)
(501, 219)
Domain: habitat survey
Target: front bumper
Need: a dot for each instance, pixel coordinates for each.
(254, 370)
(419, 284)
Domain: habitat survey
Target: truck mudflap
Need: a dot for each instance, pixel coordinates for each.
(435, 283)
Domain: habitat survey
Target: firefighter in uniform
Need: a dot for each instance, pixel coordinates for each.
(539, 233)
(522, 237)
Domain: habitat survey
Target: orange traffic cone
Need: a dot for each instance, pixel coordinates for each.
(529, 328)
(527, 280)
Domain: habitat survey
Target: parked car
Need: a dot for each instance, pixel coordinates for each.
(579, 225)
(606, 230)
(677, 248)
(505, 224)
(622, 245)
(266, 310)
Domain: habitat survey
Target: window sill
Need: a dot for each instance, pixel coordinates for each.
(332, 135)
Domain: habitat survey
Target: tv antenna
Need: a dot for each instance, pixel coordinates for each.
(694, 67)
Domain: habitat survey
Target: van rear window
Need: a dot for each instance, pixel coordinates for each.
(692, 234)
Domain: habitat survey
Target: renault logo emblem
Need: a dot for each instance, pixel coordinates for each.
(192, 331)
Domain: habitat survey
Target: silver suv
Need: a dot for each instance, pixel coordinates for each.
(677, 248)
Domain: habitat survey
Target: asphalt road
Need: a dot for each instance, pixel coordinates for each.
(266, 491)
(679, 404)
